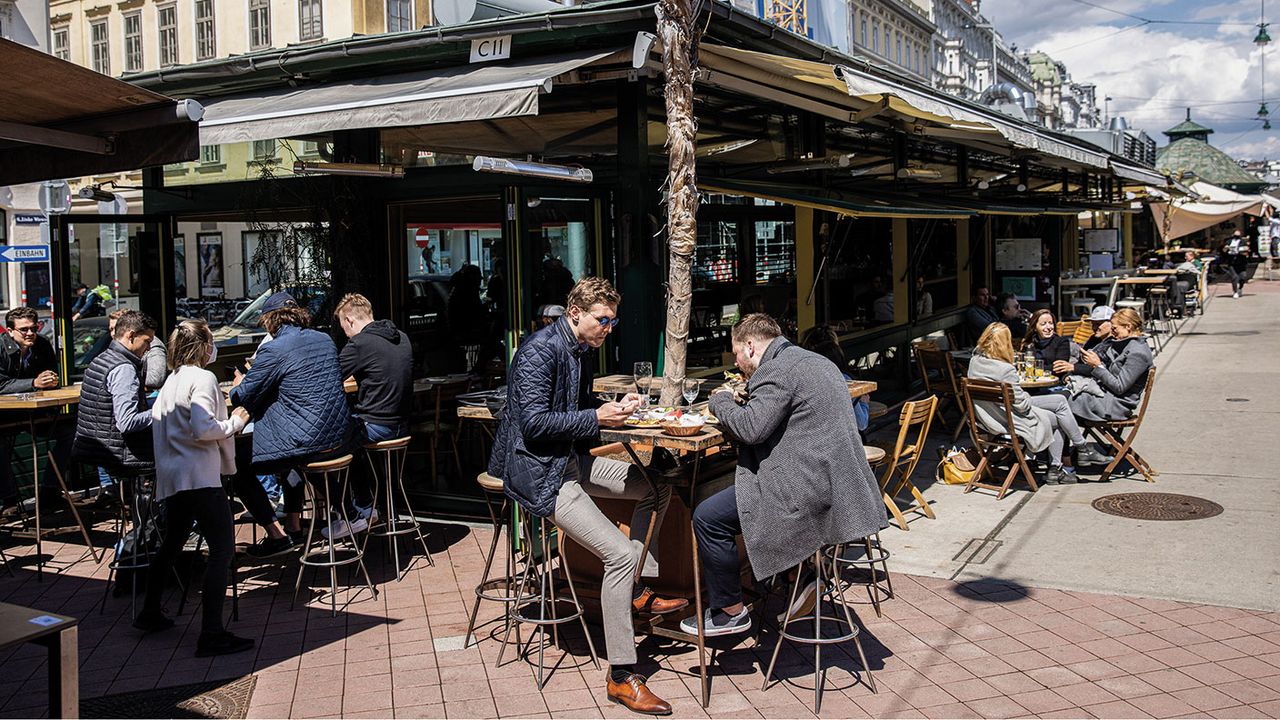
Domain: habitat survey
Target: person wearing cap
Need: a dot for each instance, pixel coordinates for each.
(295, 397)
(1100, 319)
(548, 314)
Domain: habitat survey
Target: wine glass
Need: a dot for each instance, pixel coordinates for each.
(691, 389)
(608, 396)
(643, 372)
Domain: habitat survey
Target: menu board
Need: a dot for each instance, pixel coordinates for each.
(1018, 254)
(1102, 240)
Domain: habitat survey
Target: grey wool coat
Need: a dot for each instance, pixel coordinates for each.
(803, 481)
(1123, 375)
(1033, 425)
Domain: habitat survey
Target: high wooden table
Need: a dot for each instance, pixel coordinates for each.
(627, 383)
(695, 449)
(57, 633)
(30, 403)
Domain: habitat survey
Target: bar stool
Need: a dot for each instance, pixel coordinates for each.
(138, 510)
(321, 478)
(393, 453)
(543, 610)
(828, 588)
(866, 556)
(1082, 306)
(500, 589)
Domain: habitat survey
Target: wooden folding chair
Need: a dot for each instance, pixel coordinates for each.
(902, 463)
(1113, 433)
(1068, 328)
(939, 377)
(994, 448)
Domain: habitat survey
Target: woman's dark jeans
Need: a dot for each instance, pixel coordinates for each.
(209, 510)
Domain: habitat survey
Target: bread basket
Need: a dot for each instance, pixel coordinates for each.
(675, 429)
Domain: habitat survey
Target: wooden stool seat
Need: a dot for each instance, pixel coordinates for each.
(489, 483)
(327, 465)
(392, 444)
(875, 455)
(877, 409)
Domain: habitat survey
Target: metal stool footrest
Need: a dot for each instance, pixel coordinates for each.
(879, 584)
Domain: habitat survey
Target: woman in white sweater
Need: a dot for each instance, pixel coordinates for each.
(194, 446)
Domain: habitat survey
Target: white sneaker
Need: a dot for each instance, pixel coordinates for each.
(339, 529)
(1235, 295)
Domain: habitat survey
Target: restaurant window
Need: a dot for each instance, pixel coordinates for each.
(856, 292)
(310, 19)
(715, 257)
(775, 251)
(932, 246)
(206, 43)
(255, 280)
(259, 24)
(133, 42)
(99, 44)
(399, 15)
(62, 44)
(167, 20)
(264, 150)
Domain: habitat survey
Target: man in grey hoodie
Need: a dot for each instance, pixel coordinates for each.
(380, 358)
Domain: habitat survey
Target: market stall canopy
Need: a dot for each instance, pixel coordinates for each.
(1213, 205)
(855, 95)
(60, 120)
(446, 95)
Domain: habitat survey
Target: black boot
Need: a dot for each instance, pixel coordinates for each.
(223, 643)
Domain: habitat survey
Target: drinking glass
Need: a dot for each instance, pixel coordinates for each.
(608, 396)
(691, 389)
(1040, 368)
(643, 372)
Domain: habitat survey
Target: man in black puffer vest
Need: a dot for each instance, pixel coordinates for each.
(113, 430)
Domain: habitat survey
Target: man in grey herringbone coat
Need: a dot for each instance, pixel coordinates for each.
(802, 482)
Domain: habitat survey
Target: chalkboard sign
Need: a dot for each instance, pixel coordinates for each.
(1102, 240)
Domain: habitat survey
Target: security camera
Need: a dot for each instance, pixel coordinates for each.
(95, 192)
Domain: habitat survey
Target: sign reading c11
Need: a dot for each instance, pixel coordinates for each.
(492, 48)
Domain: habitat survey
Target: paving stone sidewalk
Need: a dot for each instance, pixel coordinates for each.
(944, 650)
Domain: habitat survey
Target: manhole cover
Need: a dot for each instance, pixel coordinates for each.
(1157, 506)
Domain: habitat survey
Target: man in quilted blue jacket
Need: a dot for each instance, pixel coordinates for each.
(542, 455)
(294, 393)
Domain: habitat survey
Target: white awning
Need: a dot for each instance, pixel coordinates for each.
(447, 95)
(1138, 174)
(1213, 205)
(852, 95)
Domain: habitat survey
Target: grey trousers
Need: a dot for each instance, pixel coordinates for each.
(578, 517)
(1065, 428)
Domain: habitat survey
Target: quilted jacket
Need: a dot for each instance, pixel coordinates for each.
(542, 421)
(294, 394)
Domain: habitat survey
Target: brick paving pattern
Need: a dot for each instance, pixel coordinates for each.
(943, 650)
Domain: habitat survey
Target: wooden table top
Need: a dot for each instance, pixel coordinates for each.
(1159, 271)
(472, 412)
(705, 440)
(627, 383)
(1044, 382)
(19, 624)
(1141, 280)
(39, 399)
(1086, 281)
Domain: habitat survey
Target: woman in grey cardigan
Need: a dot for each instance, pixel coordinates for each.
(1043, 422)
(1120, 366)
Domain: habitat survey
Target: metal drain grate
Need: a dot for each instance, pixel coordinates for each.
(1157, 506)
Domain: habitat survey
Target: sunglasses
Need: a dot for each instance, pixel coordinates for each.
(32, 330)
(606, 322)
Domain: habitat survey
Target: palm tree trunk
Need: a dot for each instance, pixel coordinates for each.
(676, 30)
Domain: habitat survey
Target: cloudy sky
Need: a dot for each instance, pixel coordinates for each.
(1156, 57)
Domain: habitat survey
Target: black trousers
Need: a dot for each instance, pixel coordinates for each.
(209, 510)
(717, 527)
(249, 489)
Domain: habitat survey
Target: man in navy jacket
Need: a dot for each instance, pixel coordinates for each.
(541, 454)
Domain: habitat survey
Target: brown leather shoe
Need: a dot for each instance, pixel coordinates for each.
(636, 697)
(648, 602)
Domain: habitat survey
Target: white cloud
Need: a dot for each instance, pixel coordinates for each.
(1153, 72)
